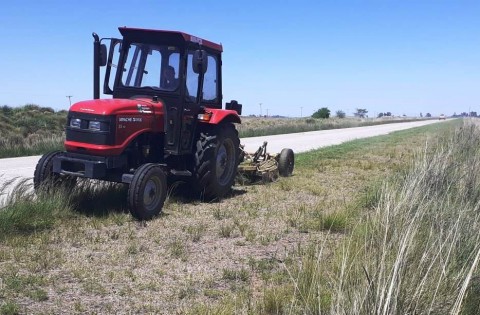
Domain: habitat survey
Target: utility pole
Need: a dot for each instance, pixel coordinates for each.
(70, 99)
(260, 109)
(301, 111)
(267, 112)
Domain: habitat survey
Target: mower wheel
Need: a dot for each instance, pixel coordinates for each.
(147, 191)
(44, 178)
(286, 162)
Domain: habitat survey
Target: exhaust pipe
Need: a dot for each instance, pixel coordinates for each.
(96, 66)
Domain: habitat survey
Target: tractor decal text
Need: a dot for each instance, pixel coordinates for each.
(129, 119)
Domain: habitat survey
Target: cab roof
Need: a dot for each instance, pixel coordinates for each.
(162, 34)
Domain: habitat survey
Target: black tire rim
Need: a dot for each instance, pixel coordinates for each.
(152, 194)
(225, 163)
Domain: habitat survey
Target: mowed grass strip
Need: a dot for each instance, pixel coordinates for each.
(237, 255)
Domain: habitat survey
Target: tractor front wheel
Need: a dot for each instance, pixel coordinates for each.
(147, 191)
(216, 161)
(45, 178)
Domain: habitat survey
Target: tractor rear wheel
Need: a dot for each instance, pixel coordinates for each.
(216, 160)
(45, 178)
(286, 162)
(147, 191)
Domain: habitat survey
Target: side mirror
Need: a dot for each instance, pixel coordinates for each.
(102, 56)
(200, 61)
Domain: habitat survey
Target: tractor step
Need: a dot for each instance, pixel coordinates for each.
(181, 173)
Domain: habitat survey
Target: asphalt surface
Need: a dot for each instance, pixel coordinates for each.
(23, 167)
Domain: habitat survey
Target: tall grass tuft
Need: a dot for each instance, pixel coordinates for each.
(416, 251)
(23, 212)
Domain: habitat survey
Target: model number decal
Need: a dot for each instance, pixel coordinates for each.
(129, 119)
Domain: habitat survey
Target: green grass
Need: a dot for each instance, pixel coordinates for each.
(9, 308)
(26, 213)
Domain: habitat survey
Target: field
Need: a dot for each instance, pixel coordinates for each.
(384, 225)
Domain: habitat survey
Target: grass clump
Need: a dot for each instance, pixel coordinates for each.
(9, 308)
(25, 212)
(236, 275)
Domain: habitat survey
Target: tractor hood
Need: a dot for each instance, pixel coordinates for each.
(118, 106)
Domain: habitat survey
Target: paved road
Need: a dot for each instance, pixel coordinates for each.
(299, 142)
(306, 141)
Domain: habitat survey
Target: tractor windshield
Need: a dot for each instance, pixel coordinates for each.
(153, 66)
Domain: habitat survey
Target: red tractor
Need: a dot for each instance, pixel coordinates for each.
(165, 120)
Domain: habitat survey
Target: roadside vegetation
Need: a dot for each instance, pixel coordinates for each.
(30, 130)
(381, 225)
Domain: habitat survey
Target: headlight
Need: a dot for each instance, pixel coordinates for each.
(75, 122)
(94, 125)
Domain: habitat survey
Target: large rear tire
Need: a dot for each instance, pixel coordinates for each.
(147, 191)
(45, 178)
(286, 162)
(216, 160)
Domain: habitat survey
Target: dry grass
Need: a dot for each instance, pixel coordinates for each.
(236, 255)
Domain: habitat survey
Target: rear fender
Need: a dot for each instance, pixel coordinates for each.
(222, 116)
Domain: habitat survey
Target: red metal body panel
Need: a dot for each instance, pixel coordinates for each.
(133, 117)
(219, 115)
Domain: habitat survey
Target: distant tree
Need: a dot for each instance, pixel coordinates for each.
(388, 114)
(473, 114)
(323, 112)
(421, 115)
(340, 114)
(360, 112)
(380, 115)
(428, 115)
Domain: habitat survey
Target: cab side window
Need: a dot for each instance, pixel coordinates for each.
(210, 82)
(192, 80)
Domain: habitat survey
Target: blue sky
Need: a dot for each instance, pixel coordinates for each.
(294, 57)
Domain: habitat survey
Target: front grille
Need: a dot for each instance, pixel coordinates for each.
(105, 136)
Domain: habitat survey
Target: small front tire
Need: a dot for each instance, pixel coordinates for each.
(46, 178)
(147, 191)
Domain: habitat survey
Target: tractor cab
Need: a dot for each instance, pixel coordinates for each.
(181, 71)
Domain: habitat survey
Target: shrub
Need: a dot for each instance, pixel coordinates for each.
(323, 112)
